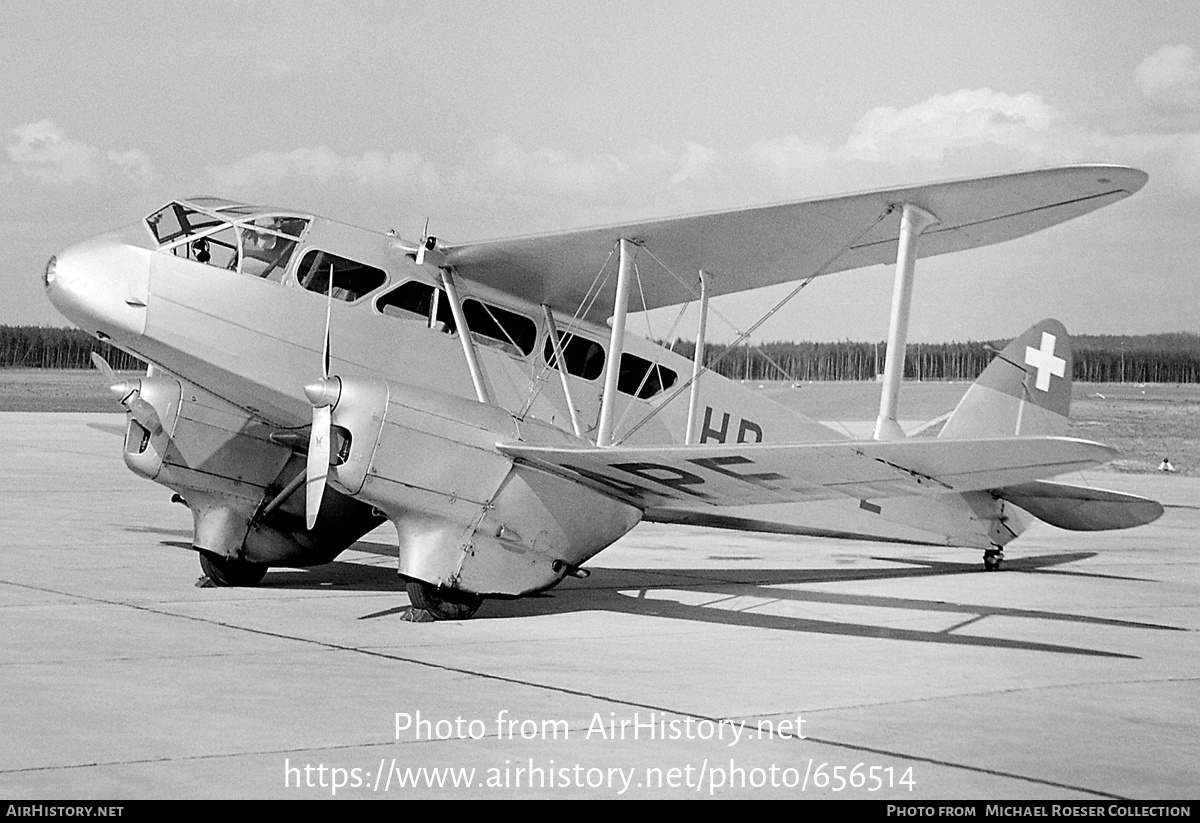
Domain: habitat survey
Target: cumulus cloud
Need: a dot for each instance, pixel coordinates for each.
(961, 133)
(506, 186)
(46, 171)
(502, 187)
(964, 121)
(595, 177)
(270, 170)
(695, 164)
(789, 161)
(1170, 79)
(506, 163)
(43, 151)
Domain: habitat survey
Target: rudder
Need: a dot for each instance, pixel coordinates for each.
(1025, 391)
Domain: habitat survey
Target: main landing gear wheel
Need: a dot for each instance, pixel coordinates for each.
(231, 571)
(443, 604)
(993, 559)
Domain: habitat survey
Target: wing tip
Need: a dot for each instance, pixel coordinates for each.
(1126, 178)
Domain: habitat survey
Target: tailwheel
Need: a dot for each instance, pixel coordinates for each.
(231, 571)
(993, 559)
(442, 603)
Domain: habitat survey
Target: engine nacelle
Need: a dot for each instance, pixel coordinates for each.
(222, 462)
(468, 517)
(145, 448)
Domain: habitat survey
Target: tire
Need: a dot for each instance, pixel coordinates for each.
(229, 571)
(441, 603)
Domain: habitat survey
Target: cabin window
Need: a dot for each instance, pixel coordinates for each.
(490, 325)
(643, 379)
(584, 358)
(413, 297)
(351, 280)
(499, 328)
(416, 300)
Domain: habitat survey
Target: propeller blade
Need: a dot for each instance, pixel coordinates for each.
(323, 395)
(328, 310)
(318, 463)
(422, 247)
(100, 363)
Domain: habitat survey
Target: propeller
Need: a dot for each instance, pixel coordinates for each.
(323, 394)
(427, 250)
(129, 395)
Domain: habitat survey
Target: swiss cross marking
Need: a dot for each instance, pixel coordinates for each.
(1045, 362)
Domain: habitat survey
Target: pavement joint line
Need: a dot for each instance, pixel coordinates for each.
(147, 657)
(545, 687)
(188, 757)
(993, 692)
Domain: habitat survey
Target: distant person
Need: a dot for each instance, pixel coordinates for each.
(1166, 466)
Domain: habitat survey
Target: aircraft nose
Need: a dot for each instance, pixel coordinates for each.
(101, 285)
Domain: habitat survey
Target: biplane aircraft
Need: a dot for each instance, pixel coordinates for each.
(310, 380)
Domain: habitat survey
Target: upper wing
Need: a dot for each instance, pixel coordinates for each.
(750, 248)
(743, 474)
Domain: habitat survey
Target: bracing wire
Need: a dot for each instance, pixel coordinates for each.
(585, 306)
(742, 336)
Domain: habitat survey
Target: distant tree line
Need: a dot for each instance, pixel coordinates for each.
(43, 347)
(1155, 358)
(1160, 358)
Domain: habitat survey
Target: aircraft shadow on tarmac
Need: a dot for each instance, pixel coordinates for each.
(747, 597)
(739, 598)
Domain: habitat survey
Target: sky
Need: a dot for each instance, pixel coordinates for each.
(493, 119)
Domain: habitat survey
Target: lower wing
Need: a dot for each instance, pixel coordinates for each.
(743, 474)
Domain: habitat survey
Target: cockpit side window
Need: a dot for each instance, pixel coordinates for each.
(227, 235)
(267, 245)
(218, 249)
(351, 280)
(176, 220)
(164, 224)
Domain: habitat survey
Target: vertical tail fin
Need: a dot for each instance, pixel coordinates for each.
(1024, 391)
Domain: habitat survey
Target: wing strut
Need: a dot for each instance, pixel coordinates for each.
(464, 335)
(616, 344)
(697, 361)
(561, 363)
(913, 221)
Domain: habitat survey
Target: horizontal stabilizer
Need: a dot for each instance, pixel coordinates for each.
(744, 474)
(1080, 508)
